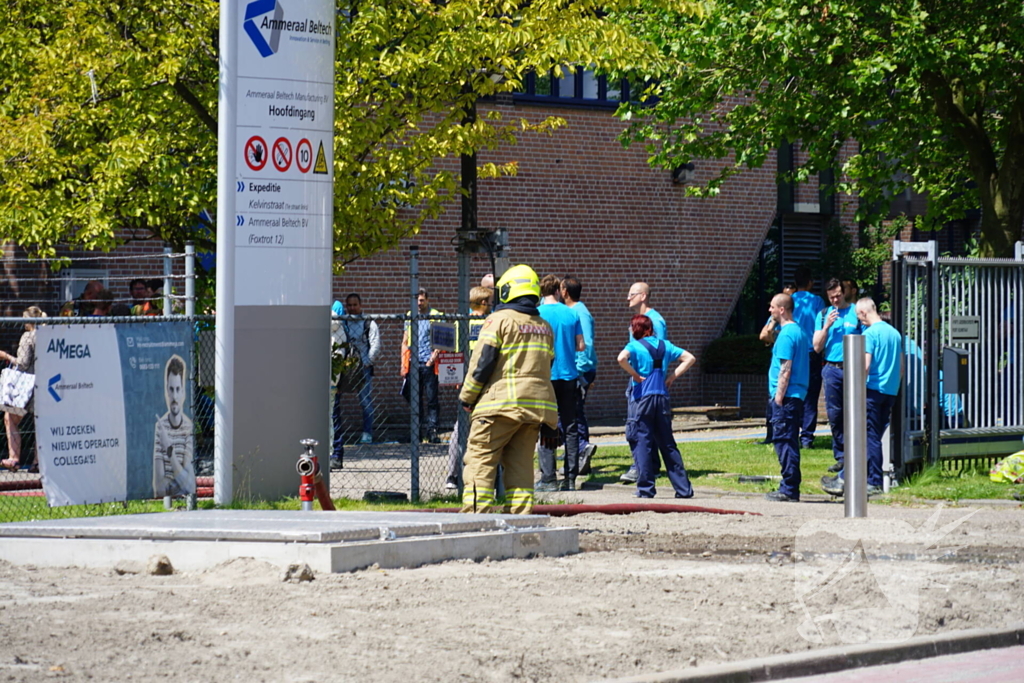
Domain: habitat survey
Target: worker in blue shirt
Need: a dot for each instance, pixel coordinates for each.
(787, 385)
(883, 360)
(638, 301)
(806, 306)
(834, 323)
(586, 365)
(567, 342)
(646, 359)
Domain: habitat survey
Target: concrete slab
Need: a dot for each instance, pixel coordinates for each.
(326, 541)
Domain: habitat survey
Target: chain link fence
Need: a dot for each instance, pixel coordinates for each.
(382, 447)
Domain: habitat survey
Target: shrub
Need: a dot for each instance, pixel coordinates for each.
(740, 354)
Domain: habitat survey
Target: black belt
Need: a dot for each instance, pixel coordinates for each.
(837, 365)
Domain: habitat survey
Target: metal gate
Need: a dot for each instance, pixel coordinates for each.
(972, 310)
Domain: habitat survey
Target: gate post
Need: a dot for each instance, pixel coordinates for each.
(414, 375)
(933, 357)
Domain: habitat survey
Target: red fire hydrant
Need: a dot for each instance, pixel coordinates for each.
(308, 470)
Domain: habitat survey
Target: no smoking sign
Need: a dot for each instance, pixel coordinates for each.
(282, 154)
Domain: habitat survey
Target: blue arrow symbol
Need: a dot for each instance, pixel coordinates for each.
(239, 221)
(53, 380)
(241, 186)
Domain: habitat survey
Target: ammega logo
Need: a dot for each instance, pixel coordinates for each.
(259, 8)
(51, 387)
(65, 350)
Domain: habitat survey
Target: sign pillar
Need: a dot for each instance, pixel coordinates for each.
(274, 240)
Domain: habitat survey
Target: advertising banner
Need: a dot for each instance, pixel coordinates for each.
(113, 411)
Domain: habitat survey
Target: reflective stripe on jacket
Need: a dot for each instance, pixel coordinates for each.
(519, 386)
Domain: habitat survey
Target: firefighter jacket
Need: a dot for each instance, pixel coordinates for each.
(510, 371)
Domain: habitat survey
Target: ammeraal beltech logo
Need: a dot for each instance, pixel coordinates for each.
(258, 9)
(859, 580)
(50, 386)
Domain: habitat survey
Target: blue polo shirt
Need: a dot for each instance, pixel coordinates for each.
(883, 342)
(790, 344)
(845, 324)
(566, 325)
(806, 307)
(641, 361)
(660, 328)
(585, 360)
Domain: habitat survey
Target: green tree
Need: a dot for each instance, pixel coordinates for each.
(929, 89)
(108, 110)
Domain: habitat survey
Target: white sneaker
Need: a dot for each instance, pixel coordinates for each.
(367, 438)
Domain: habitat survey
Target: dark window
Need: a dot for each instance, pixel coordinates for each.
(581, 88)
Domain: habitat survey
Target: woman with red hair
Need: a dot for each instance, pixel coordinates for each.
(646, 359)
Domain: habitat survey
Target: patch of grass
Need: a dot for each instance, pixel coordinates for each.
(717, 464)
(31, 508)
(932, 483)
(293, 503)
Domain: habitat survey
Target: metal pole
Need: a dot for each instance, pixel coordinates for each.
(227, 145)
(167, 280)
(168, 501)
(190, 311)
(933, 357)
(414, 375)
(190, 279)
(855, 426)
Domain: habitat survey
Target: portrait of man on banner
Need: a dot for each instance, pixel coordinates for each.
(173, 474)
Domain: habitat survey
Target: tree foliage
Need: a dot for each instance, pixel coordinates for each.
(929, 89)
(108, 110)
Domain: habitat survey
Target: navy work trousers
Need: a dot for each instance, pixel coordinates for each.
(879, 407)
(651, 429)
(810, 414)
(832, 379)
(786, 438)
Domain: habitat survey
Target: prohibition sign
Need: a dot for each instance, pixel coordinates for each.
(256, 153)
(304, 155)
(282, 154)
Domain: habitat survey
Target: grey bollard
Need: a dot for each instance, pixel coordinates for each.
(855, 426)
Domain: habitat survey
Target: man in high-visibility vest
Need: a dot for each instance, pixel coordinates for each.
(508, 389)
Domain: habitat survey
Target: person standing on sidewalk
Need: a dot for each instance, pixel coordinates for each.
(834, 323)
(364, 337)
(479, 305)
(565, 325)
(767, 335)
(638, 301)
(508, 390)
(586, 365)
(883, 360)
(646, 360)
(423, 359)
(806, 306)
(787, 385)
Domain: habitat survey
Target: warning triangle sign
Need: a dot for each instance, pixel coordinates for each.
(321, 161)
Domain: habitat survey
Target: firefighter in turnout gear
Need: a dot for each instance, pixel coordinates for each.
(508, 389)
